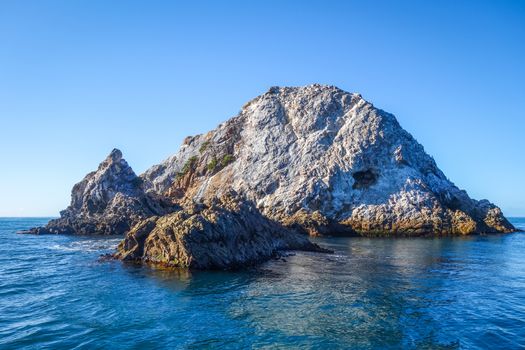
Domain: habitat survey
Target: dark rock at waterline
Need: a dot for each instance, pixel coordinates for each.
(223, 234)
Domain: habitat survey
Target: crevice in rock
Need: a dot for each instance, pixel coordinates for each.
(364, 179)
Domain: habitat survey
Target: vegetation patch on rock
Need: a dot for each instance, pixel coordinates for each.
(189, 165)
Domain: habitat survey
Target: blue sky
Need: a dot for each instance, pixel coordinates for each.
(78, 78)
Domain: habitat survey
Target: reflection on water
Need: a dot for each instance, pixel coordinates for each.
(449, 293)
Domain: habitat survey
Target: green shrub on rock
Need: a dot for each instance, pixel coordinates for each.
(227, 159)
(204, 146)
(212, 164)
(187, 166)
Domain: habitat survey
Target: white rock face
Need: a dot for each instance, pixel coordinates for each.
(327, 161)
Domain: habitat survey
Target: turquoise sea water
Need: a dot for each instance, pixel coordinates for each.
(448, 293)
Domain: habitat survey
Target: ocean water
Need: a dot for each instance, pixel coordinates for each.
(448, 293)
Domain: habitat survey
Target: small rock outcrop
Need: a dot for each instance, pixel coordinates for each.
(107, 201)
(226, 233)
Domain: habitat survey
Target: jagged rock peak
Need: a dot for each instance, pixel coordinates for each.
(107, 201)
(114, 156)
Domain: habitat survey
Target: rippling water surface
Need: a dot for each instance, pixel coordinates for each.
(447, 293)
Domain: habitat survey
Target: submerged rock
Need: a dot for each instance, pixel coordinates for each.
(312, 159)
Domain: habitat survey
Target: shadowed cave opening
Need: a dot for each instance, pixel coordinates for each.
(364, 179)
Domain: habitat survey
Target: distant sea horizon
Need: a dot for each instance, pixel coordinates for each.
(517, 221)
(56, 217)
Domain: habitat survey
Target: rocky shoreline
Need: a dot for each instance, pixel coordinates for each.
(294, 162)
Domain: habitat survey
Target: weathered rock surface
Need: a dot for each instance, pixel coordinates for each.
(327, 161)
(226, 233)
(311, 159)
(107, 201)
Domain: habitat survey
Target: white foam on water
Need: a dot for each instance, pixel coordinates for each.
(89, 245)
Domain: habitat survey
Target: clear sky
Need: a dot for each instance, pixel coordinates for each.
(78, 78)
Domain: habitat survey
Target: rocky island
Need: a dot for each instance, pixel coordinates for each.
(295, 161)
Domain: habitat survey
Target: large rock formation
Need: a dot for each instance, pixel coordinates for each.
(107, 201)
(312, 159)
(325, 161)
